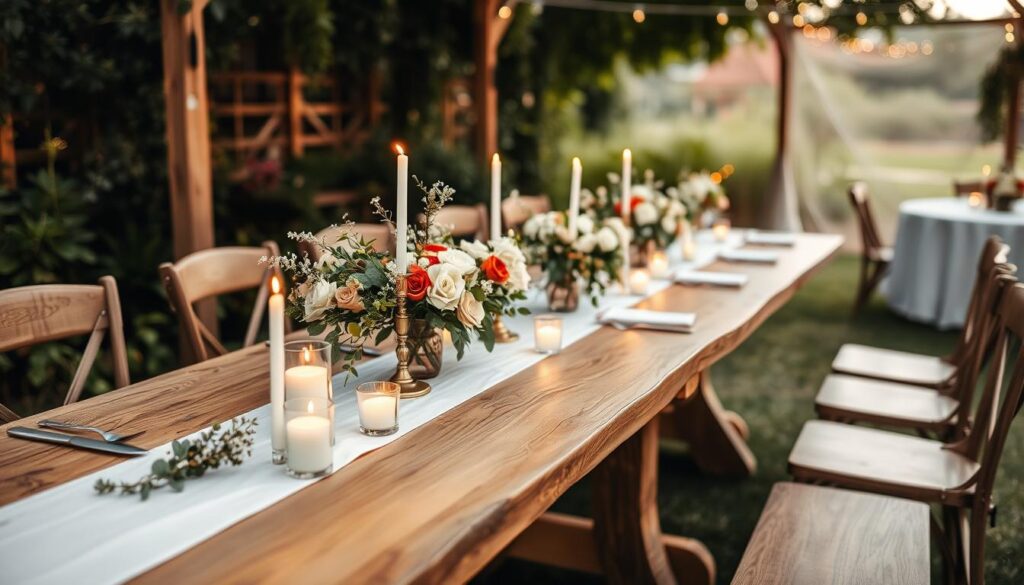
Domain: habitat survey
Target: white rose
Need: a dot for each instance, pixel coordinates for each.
(645, 213)
(447, 286)
(518, 278)
(460, 260)
(562, 233)
(475, 249)
(668, 224)
(327, 261)
(642, 192)
(470, 311)
(585, 224)
(607, 239)
(531, 227)
(586, 243)
(319, 299)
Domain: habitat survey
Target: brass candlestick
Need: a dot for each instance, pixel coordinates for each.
(411, 387)
(503, 334)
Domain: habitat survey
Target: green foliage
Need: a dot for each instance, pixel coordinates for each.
(191, 460)
(995, 86)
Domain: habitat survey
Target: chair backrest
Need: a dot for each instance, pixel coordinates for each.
(31, 315)
(465, 221)
(861, 202)
(378, 234)
(965, 188)
(208, 274)
(993, 253)
(516, 210)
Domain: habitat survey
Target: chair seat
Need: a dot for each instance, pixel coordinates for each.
(861, 399)
(892, 365)
(811, 535)
(878, 461)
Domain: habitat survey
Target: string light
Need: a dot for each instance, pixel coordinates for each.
(638, 15)
(862, 18)
(750, 4)
(926, 48)
(722, 18)
(1009, 37)
(798, 21)
(505, 12)
(773, 17)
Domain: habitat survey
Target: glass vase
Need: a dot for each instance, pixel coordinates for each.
(426, 349)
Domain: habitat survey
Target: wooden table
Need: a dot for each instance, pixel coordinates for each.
(809, 535)
(438, 504)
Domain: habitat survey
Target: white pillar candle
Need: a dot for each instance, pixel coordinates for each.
(307, 381)
(627, 207)
(638, 282)
(378, 413)
(547, 334)
(495, 197)
(276, 324)
(658, 264)
(402, 211)
(309, 443)
(574, 195)
(721, 231)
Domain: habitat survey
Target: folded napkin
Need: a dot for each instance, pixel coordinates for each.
(644, 319)
(713, 278)
(757, 256)
(771, 238)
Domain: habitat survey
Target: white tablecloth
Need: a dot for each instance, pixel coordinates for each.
(936, 253)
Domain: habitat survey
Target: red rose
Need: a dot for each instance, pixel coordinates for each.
(434, 247)
(632, 205)
(431, 260)
(495, 269)
(416, 283)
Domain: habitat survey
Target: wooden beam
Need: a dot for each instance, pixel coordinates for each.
(1012, 137)
(489, 29)
(188, 132)
(781, 209)
(8, 174)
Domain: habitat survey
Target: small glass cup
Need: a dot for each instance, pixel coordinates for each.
(309, 427)
(547, 334)
(658, 264)
(638, 282)
(378, 408)
(307, 371)
(721, 229)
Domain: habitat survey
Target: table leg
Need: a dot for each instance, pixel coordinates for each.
(717, 437)
(624, 541)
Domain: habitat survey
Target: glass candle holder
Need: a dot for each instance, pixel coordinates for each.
(638, 281)
(307, 371)
(976, 200)
(378, 408)
(547, 334)
(721, 229)
(309, 426)
(658, 264)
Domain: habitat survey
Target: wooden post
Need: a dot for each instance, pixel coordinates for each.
(1012, 137)
(8, 175)
(490, 28)
(782, 205)
(295, 143)
(188, 136)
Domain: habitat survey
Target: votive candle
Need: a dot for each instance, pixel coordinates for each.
(547, 334)
(378, 408)
(721, 230)
(308, 433)
(658, 264)
(638, 281)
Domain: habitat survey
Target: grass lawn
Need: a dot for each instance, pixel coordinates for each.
(771, 380)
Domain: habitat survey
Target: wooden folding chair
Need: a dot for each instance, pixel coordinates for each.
(516, 210)
(875, 256)
(944, 413)
(31, 315)
(917, 369)
(211, 273)
(378, 234)
(465, 221)
(959, 475)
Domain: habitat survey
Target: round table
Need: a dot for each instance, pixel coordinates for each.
(936, 255)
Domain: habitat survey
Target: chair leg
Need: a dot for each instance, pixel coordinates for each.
(976, 546)
(863, 289)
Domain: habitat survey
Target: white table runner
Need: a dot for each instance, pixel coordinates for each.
(71, 534)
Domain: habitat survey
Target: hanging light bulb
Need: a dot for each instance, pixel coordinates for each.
(862, 18)
(638, 14)
(505, 12)
(750, 4)
(722, 18)
(773, 17)
(907, 15)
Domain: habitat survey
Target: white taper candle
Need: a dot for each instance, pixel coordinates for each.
(276, 324)
(402, 212)
(495, 197)
(574, 195)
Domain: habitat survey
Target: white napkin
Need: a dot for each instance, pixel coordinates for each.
(759, 238)
(733, 279)
(757, 256)
(644, 319)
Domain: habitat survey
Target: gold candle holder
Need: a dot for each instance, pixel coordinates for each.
(410, 387)
(503, 334)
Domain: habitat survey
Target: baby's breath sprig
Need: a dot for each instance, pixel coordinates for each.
(191, 459)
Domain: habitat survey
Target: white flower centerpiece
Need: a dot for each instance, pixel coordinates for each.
(703, 196)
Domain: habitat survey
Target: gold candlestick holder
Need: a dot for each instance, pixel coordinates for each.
(410, 387)
(503, 334)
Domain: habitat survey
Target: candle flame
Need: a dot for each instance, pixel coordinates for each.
(627, 153)
(306, 358)
(495, 158)
(275, 285)
(309, 407)
(576, 162)
(398, 148)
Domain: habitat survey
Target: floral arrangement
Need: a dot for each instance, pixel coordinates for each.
(700, 192)
(656, 218)
(593, 254)
(351, 291)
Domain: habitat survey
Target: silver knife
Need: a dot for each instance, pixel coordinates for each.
(72, 441)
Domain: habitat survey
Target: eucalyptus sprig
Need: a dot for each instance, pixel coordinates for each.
(191, 459)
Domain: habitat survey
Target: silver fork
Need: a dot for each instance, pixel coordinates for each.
(107, 435)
